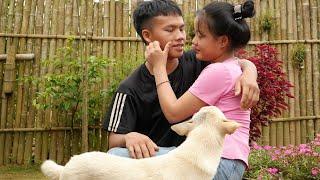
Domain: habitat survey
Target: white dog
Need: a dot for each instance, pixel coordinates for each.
(197, 157)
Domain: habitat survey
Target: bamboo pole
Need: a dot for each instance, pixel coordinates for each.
(3, 11)
(67, 118)
(284, 52)
(20, 118)
(75, 25)
(42, 139)
(60, 115)
(261, 8)
(119, 30)
(292, 125)
(112, 26)
(9, 86)
(271, 36)
(34, 129)
(84, 54)
(52, 115)
(29, 91)
(302, 77)
(86, 65)
(19, 57)
(296, 78)
(315, 63)
(125, 24)
(309, 89)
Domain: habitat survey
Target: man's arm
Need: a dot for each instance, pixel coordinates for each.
(247, 84)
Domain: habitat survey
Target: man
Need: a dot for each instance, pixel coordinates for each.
(137, 126)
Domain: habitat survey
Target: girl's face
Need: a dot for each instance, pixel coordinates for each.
(207, 46)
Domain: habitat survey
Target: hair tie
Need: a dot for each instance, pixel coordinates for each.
(237, 14)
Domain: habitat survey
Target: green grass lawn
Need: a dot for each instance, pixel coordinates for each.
(21, 172)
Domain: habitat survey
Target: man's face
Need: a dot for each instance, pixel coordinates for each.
(169, 28)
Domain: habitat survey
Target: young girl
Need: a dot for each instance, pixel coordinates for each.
(220, 29)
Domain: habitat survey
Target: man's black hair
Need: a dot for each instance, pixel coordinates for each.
(147, 10)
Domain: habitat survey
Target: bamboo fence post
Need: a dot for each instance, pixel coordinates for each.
(67, 117)
(315, 63)
(290, 75)
(52, 53)
(125, 25)
(35, 72)
(75, 25)
(106, 18)
(112, 26)
(88, 50)
(25, 149)
(133, 33)
(84, 53)
(284, 52)
(60, 115)
(278, 36)
(3, 19)
(296, 77)
(43, 139)
(302, 76)
(18, 142)
(309, 89)
(99, 122)
(271, 36)
(119, 30)
(9, 79)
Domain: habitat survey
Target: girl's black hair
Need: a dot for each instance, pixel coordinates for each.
(223, 18)
(147, 10)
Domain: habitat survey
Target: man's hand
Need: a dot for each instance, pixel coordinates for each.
(140, 145)
(155, 55)
(250, 90)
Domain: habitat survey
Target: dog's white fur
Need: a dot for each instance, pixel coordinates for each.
(197, 157)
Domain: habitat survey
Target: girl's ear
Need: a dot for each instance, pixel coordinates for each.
(224, 41)
(146, 34)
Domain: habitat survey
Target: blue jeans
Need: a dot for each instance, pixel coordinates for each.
(123, 152)
(227, 169)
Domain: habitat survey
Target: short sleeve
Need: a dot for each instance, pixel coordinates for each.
(121, 117)
(212, 83)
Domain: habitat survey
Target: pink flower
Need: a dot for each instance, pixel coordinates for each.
(273, 171)
(288, 152)
(267, 148)
(256, 146)
(315, 171)
(277, 152)
(303, 146)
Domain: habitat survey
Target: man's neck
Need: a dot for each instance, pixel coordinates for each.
(172, 64)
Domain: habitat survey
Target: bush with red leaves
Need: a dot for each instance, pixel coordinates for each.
(274, 88)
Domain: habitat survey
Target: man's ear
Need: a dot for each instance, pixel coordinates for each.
(230, 126)
(146, 34)
(183, 128)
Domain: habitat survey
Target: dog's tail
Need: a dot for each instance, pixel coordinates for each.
(51, 169)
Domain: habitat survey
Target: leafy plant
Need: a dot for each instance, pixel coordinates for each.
(299, 56)
(288, 162)
(189, 21)
(62, 89)
(266, 21)
(274, 88)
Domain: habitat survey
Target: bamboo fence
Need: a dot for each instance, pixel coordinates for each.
(33, 30)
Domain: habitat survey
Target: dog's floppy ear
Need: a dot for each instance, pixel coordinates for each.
(229, 126)
(183, 128)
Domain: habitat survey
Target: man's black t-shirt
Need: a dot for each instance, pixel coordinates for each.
(135, 106)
